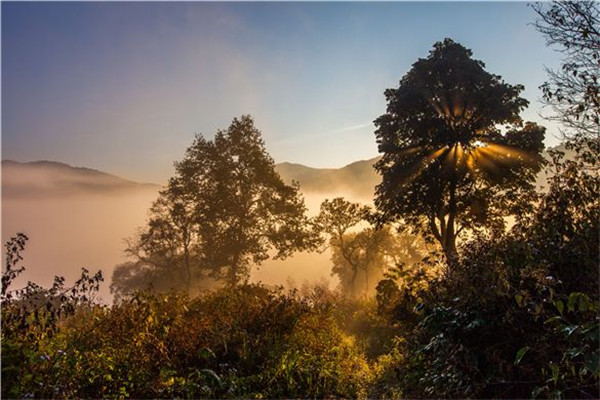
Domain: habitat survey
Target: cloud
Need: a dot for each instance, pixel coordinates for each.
(349, 128)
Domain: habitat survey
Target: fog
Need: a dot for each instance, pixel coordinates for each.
(304, 268)
(80, 220)
(74, 231)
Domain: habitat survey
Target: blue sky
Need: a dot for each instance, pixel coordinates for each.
(123, 87)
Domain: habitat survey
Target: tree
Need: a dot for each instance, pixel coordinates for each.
(362, 255)
(573, 91)
(456, 155)
(225, 210)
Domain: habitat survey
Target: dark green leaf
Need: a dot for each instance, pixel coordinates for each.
(521, 353)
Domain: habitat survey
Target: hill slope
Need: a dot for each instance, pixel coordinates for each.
(357, 179)
(48, 178)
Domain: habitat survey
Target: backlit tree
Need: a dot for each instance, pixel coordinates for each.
(225, 210)
(456, 155)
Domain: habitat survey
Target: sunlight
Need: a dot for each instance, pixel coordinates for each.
(475, 157)
(478, 143)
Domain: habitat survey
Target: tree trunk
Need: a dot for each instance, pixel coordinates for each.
(445, 232)
(449, 245)
(366, 281)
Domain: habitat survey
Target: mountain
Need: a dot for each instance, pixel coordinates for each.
(49, 178)
(357, 179)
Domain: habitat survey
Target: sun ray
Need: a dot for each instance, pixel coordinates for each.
(408, 151)
(416, 169)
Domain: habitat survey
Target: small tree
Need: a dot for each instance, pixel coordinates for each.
(456, 156)
(362, 252)
(225, 210)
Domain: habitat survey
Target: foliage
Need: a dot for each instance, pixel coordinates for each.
(13, 247)
(533, 330)
(572, 91)
(224, 211)
(400, 295)
(447, 166)
(31, 321)
(245, 341)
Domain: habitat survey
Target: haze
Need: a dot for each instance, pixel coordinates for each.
(79, 218)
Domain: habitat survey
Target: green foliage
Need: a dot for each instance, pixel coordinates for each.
(245, 341)
(446, 165)
(401, 293)
(577, 371)
(32, 345)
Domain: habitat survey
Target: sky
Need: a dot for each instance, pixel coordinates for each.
(124, 87)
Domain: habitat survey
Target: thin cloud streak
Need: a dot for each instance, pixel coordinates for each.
(350, 128)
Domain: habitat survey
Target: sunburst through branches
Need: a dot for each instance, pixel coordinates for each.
(467, 148)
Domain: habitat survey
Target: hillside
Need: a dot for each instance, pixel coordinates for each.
(357, 179)
(48, 178)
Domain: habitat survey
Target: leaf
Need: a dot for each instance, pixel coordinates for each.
(554, 319)
(211, 375)
(555, 371)
(560, 306)
(521, 353)
(584, 303)
(519, 299)
(536, 392)
(593, 333)
(571, 302)
(205, 353)
(578, 299)
(569, 329)
(572, 353)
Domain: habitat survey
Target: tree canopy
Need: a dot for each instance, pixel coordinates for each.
(225, 210)
(456, 154)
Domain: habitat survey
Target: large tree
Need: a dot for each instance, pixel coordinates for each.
(456, 155)
(225, 210)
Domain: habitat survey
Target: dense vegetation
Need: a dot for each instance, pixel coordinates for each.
(451, 303)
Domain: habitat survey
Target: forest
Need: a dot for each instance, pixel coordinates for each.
(464, 280)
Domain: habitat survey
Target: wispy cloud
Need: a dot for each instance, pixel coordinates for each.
(349, 128)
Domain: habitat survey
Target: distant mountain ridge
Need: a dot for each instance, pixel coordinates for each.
(356, 179)
(49, 178)
(56, 178)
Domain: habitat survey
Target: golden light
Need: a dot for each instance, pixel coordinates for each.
(475, 158)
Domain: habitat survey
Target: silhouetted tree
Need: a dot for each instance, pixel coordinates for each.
(336, 219)
(362, 252)
(456, 156)
(225, 210)
(573, 90)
